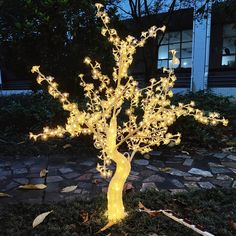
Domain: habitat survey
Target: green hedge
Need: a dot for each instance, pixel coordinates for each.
(21, 114)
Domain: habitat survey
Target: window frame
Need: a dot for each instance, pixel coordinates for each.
(222, 48)
(180, 43)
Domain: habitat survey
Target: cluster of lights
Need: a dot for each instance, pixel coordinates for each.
(105, 102)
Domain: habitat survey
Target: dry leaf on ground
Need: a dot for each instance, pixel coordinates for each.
(69, 189)
(85, 216)
(5, 195)
(33, 186)
(128, 187)
(67, 146)
(40, 218)
(43, 173)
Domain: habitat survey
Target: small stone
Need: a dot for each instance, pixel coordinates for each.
(183, 156)
(78, 191)
(154, 178)
(233, 170)
(20, 171)
(141, 162)
(87, 163)
(21, 180)
(206, 185)
(191, 185)
(93, 170)
(230, 164)
(219, 170)
(176, 191)
(177, 183)
(234, 184)
(3, 178)
(29, 163)
(10, 186)
(71, 175)
(134, 172)
(5, 173)
(133, 178)
(37, 181)
(151, 167)
(65, 170)
(224, 177)
(84, 185)
(86, 176)
(148, 186)
(155, 153)
(147, 173)
(178, 172)
(192, 178)
(222, 183)
(211, 164)
(232, 157)
(220, 155)
(53, 179)
(203, 173)
(188, 162)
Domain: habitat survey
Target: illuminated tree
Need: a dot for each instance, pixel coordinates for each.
(148, 112)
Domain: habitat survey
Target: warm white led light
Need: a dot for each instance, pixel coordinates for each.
(105, 103)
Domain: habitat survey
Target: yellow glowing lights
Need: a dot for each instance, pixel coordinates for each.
(106, 101)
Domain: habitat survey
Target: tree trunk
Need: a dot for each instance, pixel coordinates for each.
(116, 210)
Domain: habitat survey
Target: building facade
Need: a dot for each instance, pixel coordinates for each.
(206, 49)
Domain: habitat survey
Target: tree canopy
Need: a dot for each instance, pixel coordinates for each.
(56, 33)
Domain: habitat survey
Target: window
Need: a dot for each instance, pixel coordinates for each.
(229, 46)
(181, 41)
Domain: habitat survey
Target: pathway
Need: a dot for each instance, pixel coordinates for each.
(174, 171)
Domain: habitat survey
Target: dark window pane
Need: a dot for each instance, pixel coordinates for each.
(228, 61)
(186, 63)
(162, 63)
(187, 35)
(186, 49)
(174, 37)
(229, 30)
(163, 52)
(229, 46)
(164, 40)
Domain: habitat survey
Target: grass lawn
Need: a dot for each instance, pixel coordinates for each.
(214, 209)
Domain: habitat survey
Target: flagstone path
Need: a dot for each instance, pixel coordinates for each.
(174, 171)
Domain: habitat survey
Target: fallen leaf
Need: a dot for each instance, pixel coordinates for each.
(43, 173)
(146, 156)
(85, 216)
(71, 226)
(185, 152)
(40, 218)
(128, 187)
(165, 169)
(67, 146)
(5, 195)
(22, 142)
(228, 149)
(232, 224)
(33, 186)
(69, 189)
(148, 211)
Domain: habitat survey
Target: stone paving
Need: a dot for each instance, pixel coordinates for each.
(174, 171)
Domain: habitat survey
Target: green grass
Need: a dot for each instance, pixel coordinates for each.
(211, 208)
